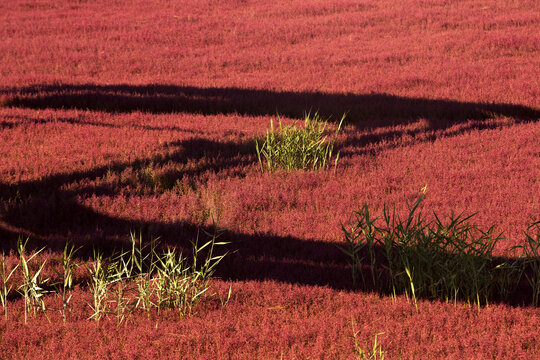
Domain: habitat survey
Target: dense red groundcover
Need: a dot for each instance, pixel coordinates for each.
(141, 116)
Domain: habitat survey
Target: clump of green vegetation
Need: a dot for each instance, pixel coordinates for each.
(100, 281)
(64, 287)
(449, 259)
(180, 285)
(140, 278)
(32, 288)
(293, 147)
(143, 278)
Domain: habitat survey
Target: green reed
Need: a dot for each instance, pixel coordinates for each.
(448, 259)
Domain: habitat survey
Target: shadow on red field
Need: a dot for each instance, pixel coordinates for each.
(51, 215)
(364, 110)
(50, 212)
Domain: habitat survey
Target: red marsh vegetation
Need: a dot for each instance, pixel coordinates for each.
(137, 120)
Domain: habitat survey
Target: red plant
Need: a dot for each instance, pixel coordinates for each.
(142, 115)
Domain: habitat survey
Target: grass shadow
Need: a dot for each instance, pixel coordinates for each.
(364, 110)
(50, 214)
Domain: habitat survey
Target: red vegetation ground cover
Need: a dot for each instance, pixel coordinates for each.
(141, 116)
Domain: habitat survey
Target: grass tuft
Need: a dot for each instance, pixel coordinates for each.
(32, 287)
(65, 286)
(447, 259)
(293, 148)
(143, 278)
(101, 278)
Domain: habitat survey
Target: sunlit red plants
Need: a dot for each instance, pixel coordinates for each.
(142, 116)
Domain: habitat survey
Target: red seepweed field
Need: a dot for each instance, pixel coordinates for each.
(141, 119)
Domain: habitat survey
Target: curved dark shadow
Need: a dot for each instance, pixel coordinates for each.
(45, 208)
(364, 110)
(53, 215)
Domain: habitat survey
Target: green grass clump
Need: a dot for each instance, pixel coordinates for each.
(64, 287)
(101, 278)
(447, 259)
(140, 278)
(144, 278)
(292, 147)
(32, 288)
